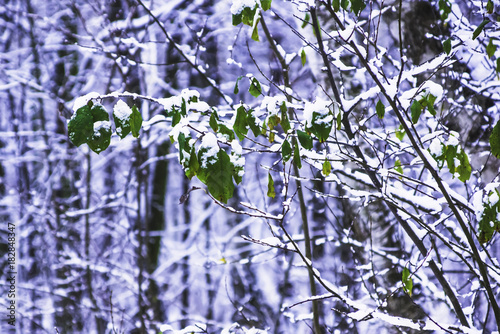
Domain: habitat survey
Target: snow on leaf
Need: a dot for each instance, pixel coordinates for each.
(83, 100)
(122, 111)
(239, 5)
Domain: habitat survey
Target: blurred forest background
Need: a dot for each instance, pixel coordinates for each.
(106, 245)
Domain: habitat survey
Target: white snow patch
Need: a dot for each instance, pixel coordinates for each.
(493, 198)
(209, 142)
(199, 106)
(435, 147)
(101, 125)
(272, 103)
(238, 161)
(433, 88)
(453, 140)
(235, 145)
(83, 100)
(360, 314)
(180, 127)
(122, 111)
(430, 159)
(320, 107)
(239, 5)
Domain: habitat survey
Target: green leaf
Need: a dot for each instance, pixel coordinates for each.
(447, 46)
(480, 28)
(357, 6)
(236, 87)
(296, 156)
(216, 173)
(285, 123)
(400, 133)
(90, 124)
(321, 125)
(303, 57)
(398, 167)
(271, 192)
(327, 168)
(263, 129)
(181, 139)
(305, 140)
(416, 111)
(344, 4)
(444, 9)
(491, 48)
(252, 123)
(135, 121)
(449, 153)
(266, 4)
(464, 170)
(286, 150)
(240, 123)
(237, 19)
(101, 137)
(271, 136)
(176, 116)
(339, 120)
(488, 223)
(183, 107)
(255, 88)
(81, 126)
(336, 5)
(498, 65)
(255, 31)
(237, 168)
(227, 132)
(495, 140)
(99, 113)
(431, 99)
(380, 108)
(121, 119)
(248, 15)
(407, 281)
(194, 165)
(307, 18)
(273, 121)
(490, 7)
(213, 122)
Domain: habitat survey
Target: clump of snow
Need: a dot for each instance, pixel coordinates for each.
(83, 100)
(180, 127)
(231, 61)
(320, 107)
(122, 111)
(453, 139)
(493, 198)
(436, 148)
(199, 106)
(239, 5)
(235, 145)
(176, 101)
(272, 103)
(433, 88)
(430, 159)
(164, 328)
(239, 162)
(281, 50)
(101, 125)
(209, 142)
